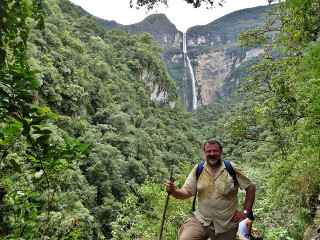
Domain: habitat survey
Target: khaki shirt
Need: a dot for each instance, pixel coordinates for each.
(218, 197)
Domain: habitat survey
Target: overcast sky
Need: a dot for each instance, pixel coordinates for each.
(180, 13)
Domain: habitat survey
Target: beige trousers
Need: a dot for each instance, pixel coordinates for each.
(192, 229)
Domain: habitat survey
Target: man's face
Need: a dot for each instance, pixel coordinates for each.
(213, 154)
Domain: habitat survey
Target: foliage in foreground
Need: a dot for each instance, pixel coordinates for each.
(288, 88)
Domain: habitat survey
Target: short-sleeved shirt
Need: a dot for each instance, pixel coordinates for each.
(218, 197)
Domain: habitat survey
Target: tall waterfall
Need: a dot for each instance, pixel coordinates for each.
(188, 64)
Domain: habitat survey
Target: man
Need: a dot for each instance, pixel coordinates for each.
(217, 215)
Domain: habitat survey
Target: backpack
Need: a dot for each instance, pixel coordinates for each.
(229, 169)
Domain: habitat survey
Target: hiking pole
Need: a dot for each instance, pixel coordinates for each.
(165, 209)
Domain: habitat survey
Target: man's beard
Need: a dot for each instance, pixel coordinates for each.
(214, 161)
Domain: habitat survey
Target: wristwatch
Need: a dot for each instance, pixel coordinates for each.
(245, 212)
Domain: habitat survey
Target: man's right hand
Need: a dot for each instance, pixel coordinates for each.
(170, 188)
(177, 193)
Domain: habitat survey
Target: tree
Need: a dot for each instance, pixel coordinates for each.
(17, 80)
(22, 121)
(150, 4)
(296, 25)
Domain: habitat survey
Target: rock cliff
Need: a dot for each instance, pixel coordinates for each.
(159, 92)
(212, 71)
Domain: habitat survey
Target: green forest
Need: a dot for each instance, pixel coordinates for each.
(86, 150)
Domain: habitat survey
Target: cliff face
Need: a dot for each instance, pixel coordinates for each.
(212, 71)
(159, 92)
(210, 74)
(171, 40)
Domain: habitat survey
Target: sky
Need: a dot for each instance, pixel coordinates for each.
(180, 13)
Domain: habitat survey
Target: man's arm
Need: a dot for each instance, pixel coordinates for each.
(177, 193)
(250, 196)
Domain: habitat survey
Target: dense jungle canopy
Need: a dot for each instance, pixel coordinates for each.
(85, 151)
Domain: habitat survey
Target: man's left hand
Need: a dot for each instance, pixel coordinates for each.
(239, 216)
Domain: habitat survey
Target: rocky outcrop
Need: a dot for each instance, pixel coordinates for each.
(212, 71)
(159, 92)
(171, 40)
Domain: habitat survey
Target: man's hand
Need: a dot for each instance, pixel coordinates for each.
(170, 188)
(239, 216)
(177, 193)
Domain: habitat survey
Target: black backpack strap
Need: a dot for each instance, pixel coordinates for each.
(199, 170)
(231, 172)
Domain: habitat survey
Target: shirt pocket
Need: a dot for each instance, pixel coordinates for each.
(227, 186)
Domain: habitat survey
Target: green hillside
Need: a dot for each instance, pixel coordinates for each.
(157, 25)
(91, 78)
(228, 27)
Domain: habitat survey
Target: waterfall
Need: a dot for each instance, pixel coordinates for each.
(194, 95)
(188, 64)
(184, 43)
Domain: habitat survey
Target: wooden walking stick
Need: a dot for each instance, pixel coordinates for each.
(165, 209)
